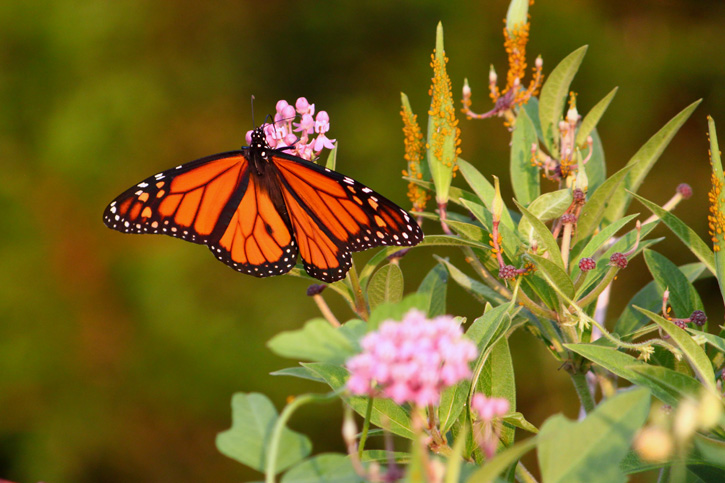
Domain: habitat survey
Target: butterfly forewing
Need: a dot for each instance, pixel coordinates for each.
(185, 202)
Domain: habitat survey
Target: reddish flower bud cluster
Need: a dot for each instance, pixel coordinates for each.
(568, 218)
(508, 272)
(618, 260)
(698, 318)
(685, 190)
(579, 196)
(586, 264)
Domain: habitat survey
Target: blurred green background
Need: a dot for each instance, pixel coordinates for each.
(119, 354)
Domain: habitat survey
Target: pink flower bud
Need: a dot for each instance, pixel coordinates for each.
(302, 105)
(281, 105)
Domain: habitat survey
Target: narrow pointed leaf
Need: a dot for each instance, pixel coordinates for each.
(491, 471)
(482, 293)
(434, 287)
(596, 167)
(483, 189)
(547, 207)
(592, 118)
(688, 236)
(593, 212)
(591, 450)
(642, 162)
(556, 274)
(323, 468)
(540, 232)
(683, 296)
(525, 178)
(316, 341)
(682, 384)
(694, 353)
(553, 97)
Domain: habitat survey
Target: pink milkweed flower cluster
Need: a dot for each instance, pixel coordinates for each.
(413, 360)
(486, 432)
(281, 133)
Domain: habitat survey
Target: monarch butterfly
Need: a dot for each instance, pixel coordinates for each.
(258, 208)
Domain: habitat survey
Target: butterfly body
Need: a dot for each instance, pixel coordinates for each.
(258, 208)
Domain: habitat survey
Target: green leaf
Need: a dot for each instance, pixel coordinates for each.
(693, 352)
(592, 118)
(596, 167)
(300, 372)
(489, 327)
(557, 275)
(447, 241)
(532, 110)
(332, 157)
(479, 291)
(253, 419)
(524, 175)
(649, 298)
(497, 380)
(468, 230)
(453, 400)
(621, 364)
(386, 414)
(498, 464)
(546, 207)
(518, 420)
(593, 211)
(642, 162)
(715, 341)
(688, 236)
(683, 296)
(592, 449)
(673, 381)
(396, 310)
(711, 451)
(323, 468)
(544, 238)
(434, 287)
(483, 189)
(386, 285)
(316, 341)
(553, 97)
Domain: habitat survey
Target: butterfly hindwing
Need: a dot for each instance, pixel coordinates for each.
(342, 216)
(257, 240)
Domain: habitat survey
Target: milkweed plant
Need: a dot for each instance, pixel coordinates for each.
(434, 394)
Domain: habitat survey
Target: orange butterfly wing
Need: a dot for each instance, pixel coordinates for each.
(257, 208)
(333, 215)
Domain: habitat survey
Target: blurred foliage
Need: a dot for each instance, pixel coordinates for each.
(119, 354)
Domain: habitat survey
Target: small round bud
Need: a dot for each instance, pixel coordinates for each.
(572, 115)
(508, 272)
(568, 218)
(653, 444)
(281, 105)
(586, 264)
(492, 77)
(466, 90)
(618, 260)
(563, 126)
(539, 63)
(315, 289)
(579, 196)
(681, 323)
(399, 254)
(685, 190)
(698, 318)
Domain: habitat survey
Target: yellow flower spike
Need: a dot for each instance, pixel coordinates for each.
(443, 131)
(716, 218)
(414, 153)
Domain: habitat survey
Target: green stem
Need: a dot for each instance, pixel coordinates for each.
(270, 469)
(582, 390)
(366, 427)
(361, 307)
(594, 294)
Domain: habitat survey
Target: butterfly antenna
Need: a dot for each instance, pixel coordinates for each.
(254, 126)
